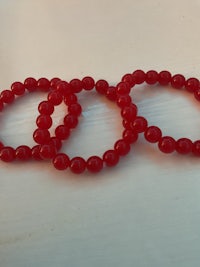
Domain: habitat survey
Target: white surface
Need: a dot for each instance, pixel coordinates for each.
(145, 212)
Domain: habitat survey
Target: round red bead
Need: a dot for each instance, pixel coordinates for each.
(43, 84)
(122, 147)
(55, 98)
(64, 88)
(130, 136)
(76, 85)
(111, 93)
(46, 108)
(44, 121)
(164, 77)
(61, 161)
(7, 96)
(75, 109)
(30, 84)
(54, 82)
(167, 144)
(196, 148)
(94, 164)
(70, 121)
(41, 136)
(101, 86)
(70, 99)
(178, 81)
(129, 112)
(139, 76)
(129, 79)
(184, 146)
(111, 158)
(151, 77)
(192, 84)
(123, 100)
(23, 153)
(139, 124)
(77, 165)
(123, 88)
(152, 134)
(35, 152)
(47, 151)
(18, 88)
(88, 83)
(7, 154)
(62, 132)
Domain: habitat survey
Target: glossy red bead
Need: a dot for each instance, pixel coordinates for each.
(46, 108)
(61, 161)
(41, 136)
(23, 153)
(164, 77)
(178, 81)
(129, 136)
(101, 86)
(7, 96)
(64, 88)
(127, 124)
(30, 84)
(153, 134)
(192, 84)
(111, 158)
(151, 77)
(139, 124)
(54, 82)
(196, 148)
(123, 101)
(94, 164)
(70, 121)
(139, 76)
(197, 94)
(62, 132)
(18, 88)
(167, 144)
(55, 98)
(77, 165)
(75, 109)
(47, 151)
(129, 112)
(129, 79)
(44, 121)
(35, 152)
(76, 85)
(55, 142)
(70, 99)
(43, 84)
(111, 93)
(184, 146)
(122, 147)
(7, 154)
(88, 83)
(123, 88)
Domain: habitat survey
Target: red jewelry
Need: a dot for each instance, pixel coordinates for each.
(111, 157)
(153, 134)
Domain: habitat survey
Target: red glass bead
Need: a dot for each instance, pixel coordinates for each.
(122, 147)
(164, 77)
(23, 153)
(129, 112)
(94, 164)
(111, 158)
(111, 93)
(18, 88)
(61, 161)
(178, 81)
(57, 143)
(139, 76)
(76, 85)
(46, 108)
(30, 84)
(196, 148)
(152, 134)
(7, 154)
(62, 132)
(151, 77)
(70, 121)
(123, 88)
(88, 83)
(41, 136)
(7, 96)
(101, 86)
(167, 144)
(184, 146)
(197, 94)
(75, 109)
(47, 151)
(44, 121)
(127, 124)
(139, 124)
(130, 136)
(35, 151)
(123, 101)
(64, 88)
(129, 79)
(43, 84)
(55, 98)
(192, 84)
(70, 99)
(54, 82)
(77, 165)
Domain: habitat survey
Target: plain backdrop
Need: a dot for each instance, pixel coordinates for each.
(146, 211)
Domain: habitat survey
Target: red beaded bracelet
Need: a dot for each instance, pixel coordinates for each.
(153, 134)
(111, 157)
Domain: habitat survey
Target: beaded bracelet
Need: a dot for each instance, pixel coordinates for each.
(153, 134)
(111, 157)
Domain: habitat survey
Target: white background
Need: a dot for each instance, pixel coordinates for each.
(146, 211)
